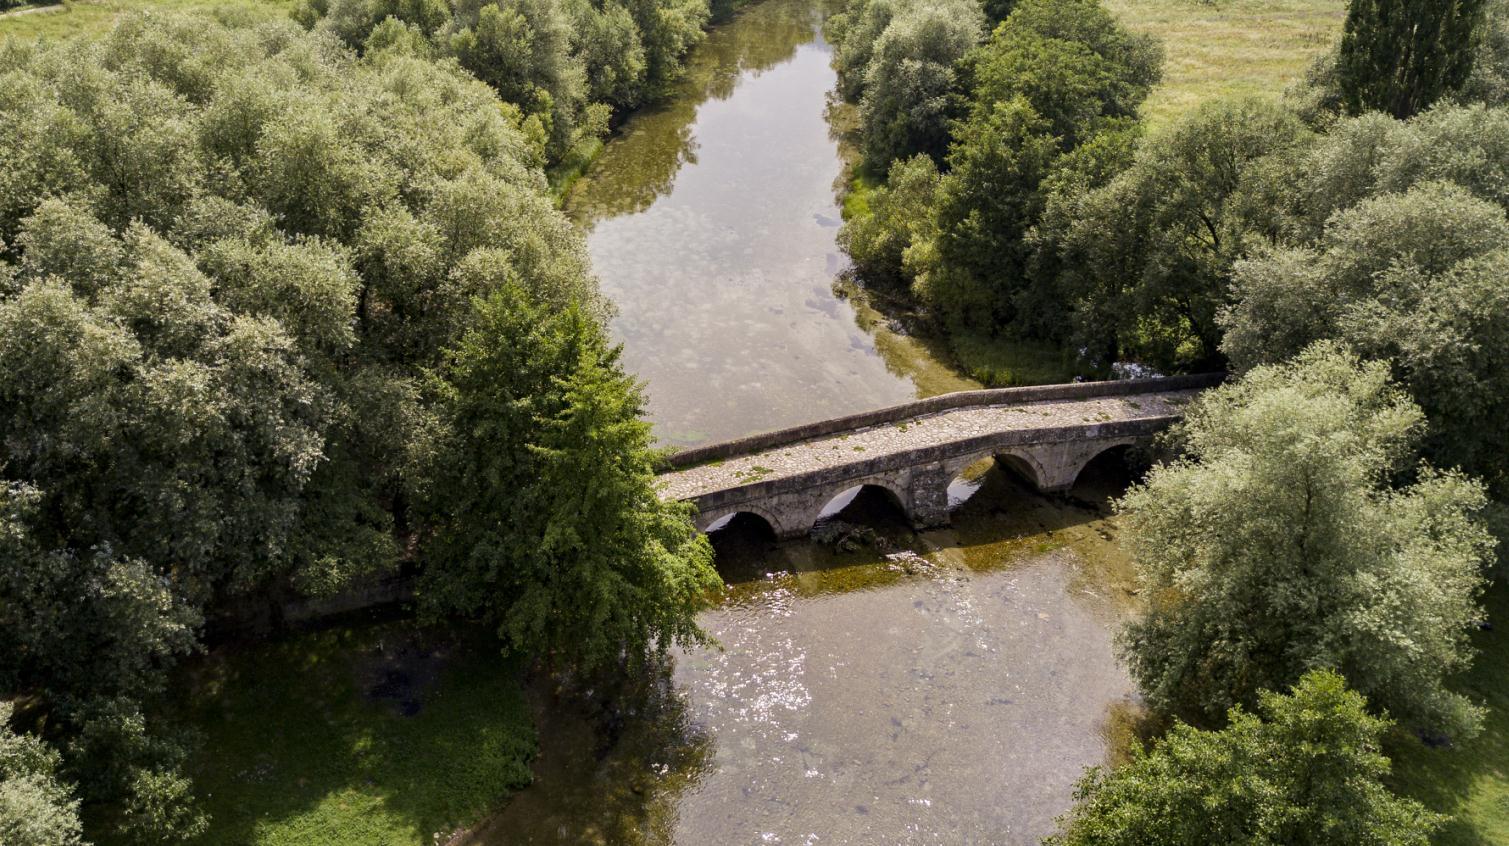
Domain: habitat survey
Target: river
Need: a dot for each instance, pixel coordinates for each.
(895, 687)
(712, 225)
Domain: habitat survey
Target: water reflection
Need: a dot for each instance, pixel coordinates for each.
(641, 164)
(712, 226)
(941, 687)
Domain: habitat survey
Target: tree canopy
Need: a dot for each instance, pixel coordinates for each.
(1304, 770)
(36, 809)
(1401, 56)
(1412, 278)
(910, 80)
(1277, 546)
(564, 63)
(547, 445)
(1145, 268)
(242, 271)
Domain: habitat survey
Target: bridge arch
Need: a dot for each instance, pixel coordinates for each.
(895, 493)
(1099, 451)
(721, 518)
(1019, 461)
(915, 451)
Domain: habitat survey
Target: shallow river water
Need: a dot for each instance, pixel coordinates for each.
(946, 687)
(712, 224)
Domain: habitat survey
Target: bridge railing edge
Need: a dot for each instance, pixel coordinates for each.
(933, 405)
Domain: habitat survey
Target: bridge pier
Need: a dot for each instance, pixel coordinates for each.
(927, 495)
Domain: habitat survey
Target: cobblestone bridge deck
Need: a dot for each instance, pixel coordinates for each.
(1046, 434)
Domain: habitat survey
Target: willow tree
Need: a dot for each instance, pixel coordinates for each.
(1400, 56)
(1278, 546)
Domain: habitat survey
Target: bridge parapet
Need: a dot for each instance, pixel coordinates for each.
(914, 451)
(933, 405)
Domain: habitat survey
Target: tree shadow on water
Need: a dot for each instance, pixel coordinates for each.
(615, 760)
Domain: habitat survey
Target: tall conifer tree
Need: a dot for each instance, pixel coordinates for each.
(1400, 56)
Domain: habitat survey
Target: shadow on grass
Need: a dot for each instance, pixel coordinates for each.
(383, 734)
(1469, 780)
(1008, 362)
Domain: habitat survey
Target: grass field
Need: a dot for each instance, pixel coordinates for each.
(1230, 48)
(1470, 780)
(373, 736)
(86, 16)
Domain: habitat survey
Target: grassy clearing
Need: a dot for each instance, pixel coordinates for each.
(97, 16)
(1006, 362)
(1230, 48)
(359, 737)
(1470, 781)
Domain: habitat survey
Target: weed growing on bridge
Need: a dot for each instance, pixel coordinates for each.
(753, 474)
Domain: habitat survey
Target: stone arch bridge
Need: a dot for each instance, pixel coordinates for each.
(1046, 434)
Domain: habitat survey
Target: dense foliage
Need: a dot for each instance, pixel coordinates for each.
(549, 445)
(35, 808)
(565, 63)
(1240, 236)
(899, 60)
(1145, 268)
(1304, 770)
(1055, 78)
(1401, 56)
(1414, 279)
(1277, 545)
(240, 277)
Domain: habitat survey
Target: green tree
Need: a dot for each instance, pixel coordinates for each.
(608, 41)
(1146, 259)
(910, 80)
(855, 31)
(548, 524)
(898, 215)
(970, 273)
(1303, 771)
(1414, 280)
(522, 48)
(668, 29)
(36, 809)
(1276, 546)
(1054, 75)
(230, 259)
(1400, 56)
(1375, 154)
(1044, 307)
(1489, 82)
(1072, 61)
